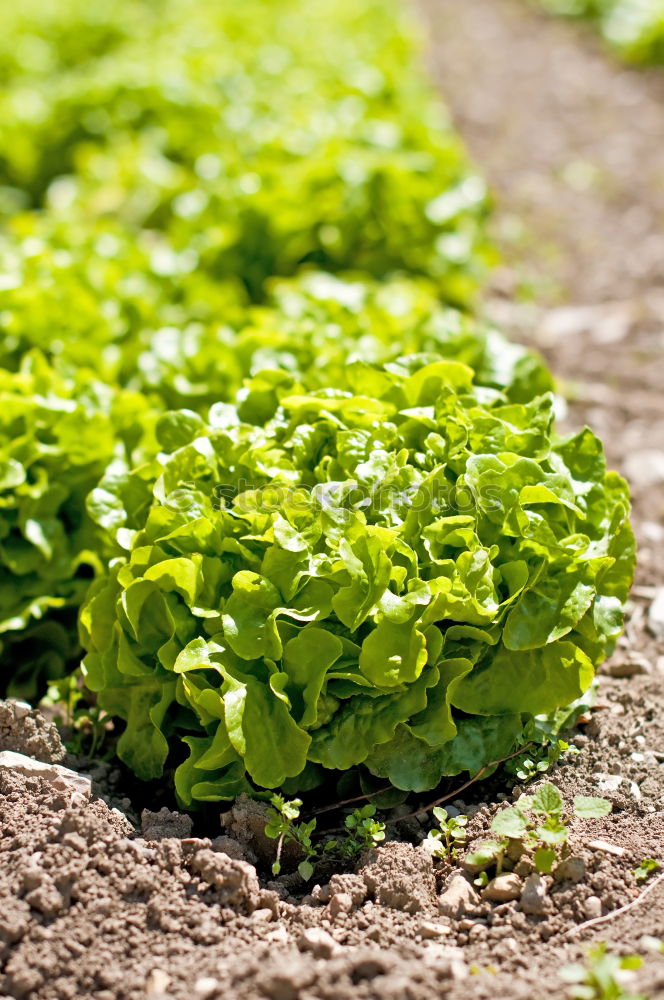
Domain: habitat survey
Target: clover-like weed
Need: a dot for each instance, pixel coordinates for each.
(536, 825)
(446, 841)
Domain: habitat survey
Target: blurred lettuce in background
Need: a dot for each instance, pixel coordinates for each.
(634, 27)
(251, 149)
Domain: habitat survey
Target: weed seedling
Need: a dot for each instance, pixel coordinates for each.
(362, 833)
(281, 826)
(538, 760)
(449, 837)
(647, 868)
(361, 829)
(603, 977)
(88, 724)
(537, 825)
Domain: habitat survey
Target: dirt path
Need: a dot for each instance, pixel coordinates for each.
(573, 147)
(571, 142)
(90, 907)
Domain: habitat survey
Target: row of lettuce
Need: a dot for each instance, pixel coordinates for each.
(634, 27)
(316, 515)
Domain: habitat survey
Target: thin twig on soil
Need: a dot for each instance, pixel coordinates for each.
(432, 805)
(350, 802)
(615, 913)
(457, 791)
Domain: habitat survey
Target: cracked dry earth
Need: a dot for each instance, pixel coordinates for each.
(93, 905)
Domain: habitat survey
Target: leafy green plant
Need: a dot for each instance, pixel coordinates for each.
(335, 526)
(281, 826)
(635, 28)
(536, 826)
(448, 839)
(218, 150)
(57, 437)
(84, 725)
(90, 299)
(537, 761)
(645, 869)
(397, 571)
(136, 237)
(604, 977)
(362, 832)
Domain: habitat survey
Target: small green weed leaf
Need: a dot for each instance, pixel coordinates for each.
(485, 854)
(544, 858)
(591, 807)
(647, 868)
(510, 823)
(306, 870)
(547, 800)
(555, 836)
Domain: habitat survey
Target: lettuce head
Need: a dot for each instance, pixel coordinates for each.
(397, 572)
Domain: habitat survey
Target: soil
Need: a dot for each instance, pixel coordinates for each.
(97, 901)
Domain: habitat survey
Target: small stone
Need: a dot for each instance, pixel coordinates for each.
(205, 987)
(318, 942)
(645, 468)
(448, 961)
(592, 907)
(608, 782)
(533, 896)
(236, 882)
(279, 935)
(340, 903)
(284, 979)
(20, 709)
(157, 982)
(263, 916)
(503, 888)
(400, 877)
(458, 898)
(321, 893)
(14, 920)
(57, 775)
(268, 900)
(656, 615)
(572, 869)
(634, 791)
(350, 884)
(631, 666)
(430, 930)
(524, 868)
(606, 848)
